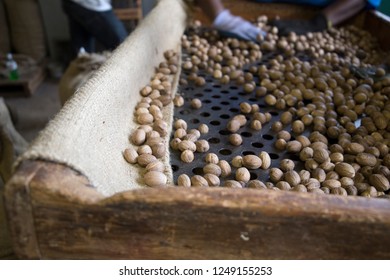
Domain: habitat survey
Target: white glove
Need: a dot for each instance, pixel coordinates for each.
(236, 26)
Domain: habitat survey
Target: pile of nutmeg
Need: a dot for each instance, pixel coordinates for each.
(336, 111)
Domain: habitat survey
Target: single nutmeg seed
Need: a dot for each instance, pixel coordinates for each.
(178, 101)
(256, 184)
(233, 126)
(212, 180)
(345, 169)
(320, 155)
(203, 128)
(366, 159)
(275, 174)
(212, 168)
(237, 161)
(232, 184)
(158, 150)
(235, 139)
(226, 169)
(184, 181)
(187, 156)
(265, 159)
(144, 159)
(196, 103)
(155, 166)
(242, 174)
(130, 155)
(211, 158)
(202, 146)
(292, 177)
(155, 179)
(187, 145)
(251, 162)
(287, 165)
(138, 137)
(293, 146)
(379, 182)
(199, 181)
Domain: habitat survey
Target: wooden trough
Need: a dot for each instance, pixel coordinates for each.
(55, 210)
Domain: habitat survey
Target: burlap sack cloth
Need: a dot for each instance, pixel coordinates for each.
(91, 131)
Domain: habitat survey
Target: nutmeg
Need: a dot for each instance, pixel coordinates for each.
(155, 179)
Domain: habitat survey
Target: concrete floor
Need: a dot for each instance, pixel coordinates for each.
(31, 114)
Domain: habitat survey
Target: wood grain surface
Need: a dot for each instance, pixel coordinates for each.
(70, 220)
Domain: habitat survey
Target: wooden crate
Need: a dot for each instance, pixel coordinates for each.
(56, 214)
(26, 85)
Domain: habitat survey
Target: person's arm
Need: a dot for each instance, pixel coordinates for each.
(228, 24)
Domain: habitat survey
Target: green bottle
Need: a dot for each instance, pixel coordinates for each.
(12, 68)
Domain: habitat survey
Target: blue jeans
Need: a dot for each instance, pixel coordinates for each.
(86, 26)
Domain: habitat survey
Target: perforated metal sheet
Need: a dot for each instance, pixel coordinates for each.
(220, 103)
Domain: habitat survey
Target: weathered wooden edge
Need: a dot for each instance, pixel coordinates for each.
(65, 218)
(378, 24)
(20, 213)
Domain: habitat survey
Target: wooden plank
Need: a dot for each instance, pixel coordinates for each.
(378, 24)
(129, 13)
(20, 213)
(72, 221)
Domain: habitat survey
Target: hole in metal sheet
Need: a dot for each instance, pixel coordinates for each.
(273, 113)
(273, 156)
(224, 132)
(224, 116)
(268, 137)
(174, 167)
(207, 101)
(242, 93)
(253, 175)
(225, 152)
(216, 96)
(189, 88)
(214, 140)
(234, 110)
(216, 108)
(233, 87)
(245, 153)
(233, 98)
(258, 145)
(208, 90)
(246, 134)
(215, 123)
(224, 91)
(216, 86)
(205, 114)
(294, 157)
(194, 121)
(225, 103)
(197, 171)
(198, 95)
(252, 99)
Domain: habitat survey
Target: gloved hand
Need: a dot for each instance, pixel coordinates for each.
(234, 26)
(316, 24)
